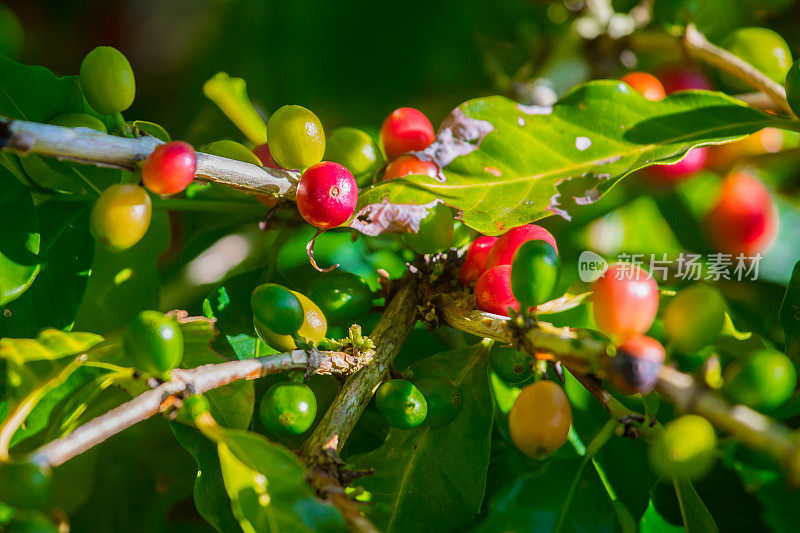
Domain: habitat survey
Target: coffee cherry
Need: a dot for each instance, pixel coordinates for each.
(231, 150)
(262, 152)
(107, 80)
(677, 78)
(502, 253)
(79, 120)
(30, 523)
(153, 342)
(288, 408)
(406, 130)
(793, 87)
(761, 47)
(693, 319)
(668, 175)
(684, 448)
(534, 273)
(277, 308)
(724, 156)
(475, 260)
(25, 485)
(540, 418)
(342, 296)
(327, 195)
(410, 165)
(493, 291)
(764, 380)
(295, 137)
(625, 300)
(401, 404)
(170, 168)
(744, 218)
(442, 398)
(356, 151)
(120, 216)
(313, 330)
(510, 365)
(435, 232)
(645, 84)
(635, 366)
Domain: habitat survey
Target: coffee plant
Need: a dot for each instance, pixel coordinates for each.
(571, 306)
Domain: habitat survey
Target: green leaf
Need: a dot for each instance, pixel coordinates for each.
(434, 479)
(696, 516)
(51, 344)
(790, 314)
(653, 522)
(19, 240)
(503, 162)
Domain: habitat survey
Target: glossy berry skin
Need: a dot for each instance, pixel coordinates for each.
(493, 291)
(120, 216)
(327, 195)
(342, 296)
(410, 165)
(295, 137)
(401, 404)
(724, 156)
(170, 168)
(668, 175)
(356, 151)
(762, 48)
(534, 273)
(405, 130)
(153, 342)
(645, 84)
(626, 306)
(510, 364)
(744, 218)
(231, 150)
(265, 156)
(792, 84)
(313, 330)
(435, 232)
(694, 317)
(107, 80)
(475, 260)
(79, 120)
(765, 380)
(686, 447)
(25, 485)
(288, 408)
(443, 399)
(502, 253)
(540, 419)
(634, 368)
(277, 308)
(677, 78)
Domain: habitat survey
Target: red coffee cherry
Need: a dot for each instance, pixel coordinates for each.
(264, 155)
(410, 165)
(327, 195)
(667, 175)
(634, 368)
(645, 84)
(625, 300)
(744, 219)
(170, 168)
(502, 253)
(475, 260)
(493, 291)
(677, 78)
(406, 130)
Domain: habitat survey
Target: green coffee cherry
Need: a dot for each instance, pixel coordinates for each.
(534, 273)
(685, 448)
(30, 523)
(231, 150)
(107, 80)
(295, 137)
(355, 150)
(342, 296)
(510, 365)
(793, 87)
(288, 408)
(761, 47)
(11, 34)
(25, 485)
(435, 231)
(79, 120)
(694, 318)
(764, 380)
(442, 398)
(401, 404)
(275, 307)
(153, 342)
